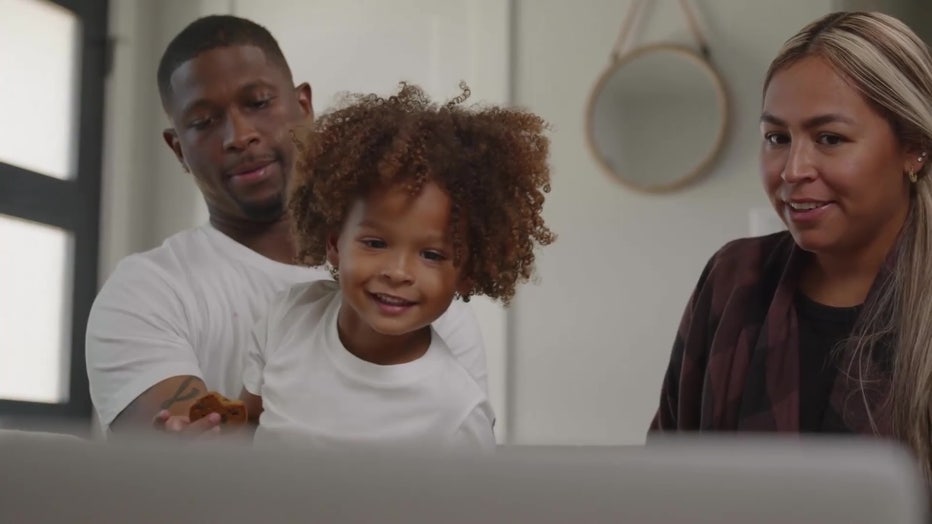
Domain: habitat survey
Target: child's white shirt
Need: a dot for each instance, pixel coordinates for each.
(316, 393)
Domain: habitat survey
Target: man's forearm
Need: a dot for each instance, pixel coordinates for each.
(175, 394)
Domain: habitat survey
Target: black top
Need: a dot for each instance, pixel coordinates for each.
(821, 331)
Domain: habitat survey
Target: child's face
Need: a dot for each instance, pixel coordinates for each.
(396, 259)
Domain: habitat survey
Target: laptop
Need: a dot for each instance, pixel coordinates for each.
(672, 481)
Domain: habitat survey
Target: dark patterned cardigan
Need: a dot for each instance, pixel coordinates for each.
(735, 361)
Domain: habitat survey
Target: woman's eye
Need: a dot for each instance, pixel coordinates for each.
(830, 139)
(776, 139)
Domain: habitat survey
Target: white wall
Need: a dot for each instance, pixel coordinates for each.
(146, 197)
(591, 341)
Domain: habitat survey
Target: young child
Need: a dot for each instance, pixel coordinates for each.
(411, 205)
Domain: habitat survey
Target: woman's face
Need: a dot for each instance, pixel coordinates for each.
(832, 165)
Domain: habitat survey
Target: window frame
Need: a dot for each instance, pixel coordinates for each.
(72, 205)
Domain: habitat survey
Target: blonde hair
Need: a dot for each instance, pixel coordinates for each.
(892, 68)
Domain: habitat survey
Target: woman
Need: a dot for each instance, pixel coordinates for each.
(826, 327)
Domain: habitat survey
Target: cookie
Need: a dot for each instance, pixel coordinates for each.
(232, 412)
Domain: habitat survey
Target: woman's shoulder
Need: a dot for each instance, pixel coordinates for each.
(756, 247)
(751, 258)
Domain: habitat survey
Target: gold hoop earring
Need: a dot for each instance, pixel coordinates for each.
(913, 176)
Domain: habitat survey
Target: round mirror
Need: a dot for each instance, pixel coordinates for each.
(657, 117)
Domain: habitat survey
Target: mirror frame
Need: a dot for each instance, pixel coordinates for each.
(721, 95)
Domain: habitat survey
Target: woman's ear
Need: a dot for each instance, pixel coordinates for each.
(915, 160)
(921, 158)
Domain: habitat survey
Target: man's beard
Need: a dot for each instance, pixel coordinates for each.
(269, 211)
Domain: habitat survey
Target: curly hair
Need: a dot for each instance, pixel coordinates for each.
(492, 162)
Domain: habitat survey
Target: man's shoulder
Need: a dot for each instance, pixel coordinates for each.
(458, 318)
(316, 291)
(174, 253)
(311, 298)
(150, 280)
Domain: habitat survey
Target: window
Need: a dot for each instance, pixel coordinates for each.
(53, 59)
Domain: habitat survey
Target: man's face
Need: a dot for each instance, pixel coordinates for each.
(232, 110)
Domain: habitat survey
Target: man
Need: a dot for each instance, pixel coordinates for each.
(174, 322)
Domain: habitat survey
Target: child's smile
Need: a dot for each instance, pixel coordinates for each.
(392, 305)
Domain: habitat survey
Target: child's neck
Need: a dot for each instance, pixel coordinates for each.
(385, 350)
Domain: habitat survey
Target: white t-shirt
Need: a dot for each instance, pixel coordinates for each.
(189, 306)
(316, 393)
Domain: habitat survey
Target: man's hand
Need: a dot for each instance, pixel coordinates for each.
(181, 424)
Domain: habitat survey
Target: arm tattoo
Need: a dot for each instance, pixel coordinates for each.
(181, 395)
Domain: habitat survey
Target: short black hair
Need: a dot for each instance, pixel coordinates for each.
(211, 32)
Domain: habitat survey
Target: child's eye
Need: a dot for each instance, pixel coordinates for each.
(434, 256)
(373, 243)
